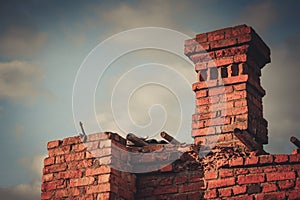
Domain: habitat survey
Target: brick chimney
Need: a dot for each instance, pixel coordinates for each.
(228, 91)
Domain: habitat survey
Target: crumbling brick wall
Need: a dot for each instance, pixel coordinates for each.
(227, 159)
(72, 172)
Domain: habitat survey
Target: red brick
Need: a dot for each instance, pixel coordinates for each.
(191, 187)
(201, 37)
(105, 187)
(276, 176)
(235, 79)
(239, 190)
(253, 160)
(240, 58)
(166, 190)
(223, 43)
(104, 196)
(241, 86)
(294, 195)
(241, 171)
(81, 181)
(80, 164)
(269, 169)
(203, 131)
(285, 184)
(223, 173)
(231, 51)
(220, 62)
(253, 178)
(59, 151)
(210, 194)
(271, 196)
(256, 170)
(236, 161)
(201, 93)
(66, 193)
(295, 158)
(46, 195)
(104, 178)
(266, 159)
(53, 144)
(74, 156)
(71, 140)
(215, 35)
(55, 168)
(78, 147)
(99, 170)
(281, 158)
(48, 186)
(239, 30)
(47, 177)
(211, 175)
(49, 161)
(225, 192)
(297, 187)
(207, 100)
(221, 183)
(69, 174)
(269, 187)
(237, 95)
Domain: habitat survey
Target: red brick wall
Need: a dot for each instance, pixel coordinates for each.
(256, 177)
(170, 185)
(71, 172)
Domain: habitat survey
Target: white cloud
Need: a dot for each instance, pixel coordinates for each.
(34, 164)
(18, 41)
(143, 13)
(20, 80)
(30, 190)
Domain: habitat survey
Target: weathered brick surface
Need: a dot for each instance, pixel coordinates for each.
(227, 74)
(72, 172)
(228, 63)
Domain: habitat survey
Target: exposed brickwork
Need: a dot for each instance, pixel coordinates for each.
(72, 172)
(228, 96)
(228, 91)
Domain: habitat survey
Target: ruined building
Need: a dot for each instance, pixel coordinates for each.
(227, 159)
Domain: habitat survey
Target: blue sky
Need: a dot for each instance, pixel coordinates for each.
(43, 44)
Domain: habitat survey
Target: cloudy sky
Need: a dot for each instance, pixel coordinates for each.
(44, 43)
